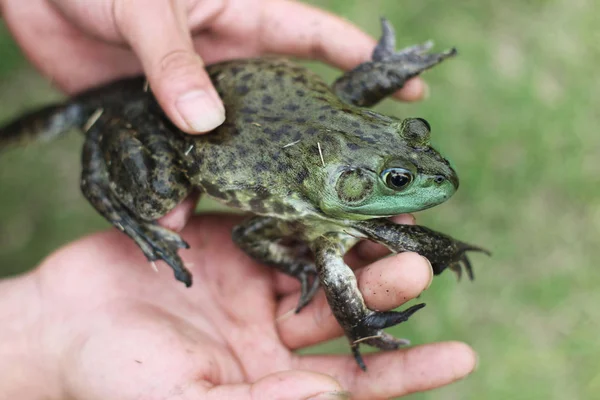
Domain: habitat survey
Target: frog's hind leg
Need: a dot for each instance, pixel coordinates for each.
(388, 70)
(121, 178)
(260, 238)
(361, 325)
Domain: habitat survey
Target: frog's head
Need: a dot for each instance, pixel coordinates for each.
(403, 176)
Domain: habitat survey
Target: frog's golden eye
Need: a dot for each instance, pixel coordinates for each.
(397, 178)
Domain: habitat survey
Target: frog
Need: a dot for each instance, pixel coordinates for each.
(313, 165)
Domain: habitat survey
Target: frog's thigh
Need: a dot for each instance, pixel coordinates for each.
(144, 172)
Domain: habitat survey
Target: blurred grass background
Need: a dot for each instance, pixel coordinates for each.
(517, 112)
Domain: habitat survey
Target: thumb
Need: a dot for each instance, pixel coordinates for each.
(158, 32)
(286, 385)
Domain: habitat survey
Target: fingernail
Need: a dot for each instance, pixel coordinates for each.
(430, 272)
(476, 362)
(337, 395)
(200, 110)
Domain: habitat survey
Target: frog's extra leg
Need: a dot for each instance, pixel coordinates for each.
(260, 238)
(441, 250)
(389, 69)
(360, 324)
(121, 178)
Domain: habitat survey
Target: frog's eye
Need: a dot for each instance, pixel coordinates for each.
(397, 178)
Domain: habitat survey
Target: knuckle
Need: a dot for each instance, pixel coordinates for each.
(179, 61)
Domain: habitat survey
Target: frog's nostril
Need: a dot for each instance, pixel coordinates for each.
(439, 179)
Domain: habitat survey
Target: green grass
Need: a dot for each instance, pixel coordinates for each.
(517, 114)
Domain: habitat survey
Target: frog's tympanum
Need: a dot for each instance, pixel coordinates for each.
(316, 168)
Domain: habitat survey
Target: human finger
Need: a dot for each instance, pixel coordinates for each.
(285, 385)
(397, 373)
(293, 28)
(177, 218)
(158, 33)
(385, 285)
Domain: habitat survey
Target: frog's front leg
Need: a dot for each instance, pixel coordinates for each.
(132, 177)
(263, 239)
(388, 70)
(360, 324)
(441, 250)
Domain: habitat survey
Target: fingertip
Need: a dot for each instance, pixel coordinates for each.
(468, 362)
(415, 89)
(177, 218)
(431, 273)
(184, 89)
(404, 219)
(392, 281)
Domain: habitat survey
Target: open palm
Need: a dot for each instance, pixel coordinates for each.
(117, 330)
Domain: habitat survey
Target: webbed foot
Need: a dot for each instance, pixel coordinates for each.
(388, 70)
(309, 283)
(463, 263)
(370, 331)
(261, 238)
(156, 242)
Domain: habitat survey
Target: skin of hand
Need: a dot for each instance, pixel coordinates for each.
(93, 321)
(82, 43)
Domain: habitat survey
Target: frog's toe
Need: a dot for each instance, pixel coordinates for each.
(370, 331)
(414, 56)
(463, 262)
(383, 341)
(384, 319)
(415, 50)
(309, 285)
(159, 243)
(415, 59)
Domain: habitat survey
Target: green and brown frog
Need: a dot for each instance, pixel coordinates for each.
(318, 170)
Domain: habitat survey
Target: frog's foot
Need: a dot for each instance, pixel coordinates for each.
(309, 284)
(260, 238)
(158, 243)
(441, 250)
(463, 262)
(370, 331)
(385, 51)
(388, 71)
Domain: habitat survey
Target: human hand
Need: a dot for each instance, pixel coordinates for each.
(79, 43)
(94, 322)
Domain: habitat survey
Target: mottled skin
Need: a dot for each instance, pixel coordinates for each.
(318, 170)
